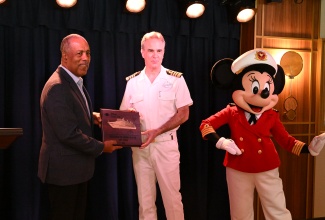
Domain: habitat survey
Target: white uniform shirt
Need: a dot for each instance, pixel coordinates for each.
(156, 102)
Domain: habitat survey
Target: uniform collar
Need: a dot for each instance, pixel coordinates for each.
(247, 115)
(161, 75)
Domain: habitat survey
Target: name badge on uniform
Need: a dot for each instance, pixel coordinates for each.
(167, 85)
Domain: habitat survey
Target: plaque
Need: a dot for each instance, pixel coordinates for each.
(122, 126)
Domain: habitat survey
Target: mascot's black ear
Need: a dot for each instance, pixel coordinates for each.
(279, 80)
(221, 74)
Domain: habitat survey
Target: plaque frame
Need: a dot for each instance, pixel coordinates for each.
(122, 126)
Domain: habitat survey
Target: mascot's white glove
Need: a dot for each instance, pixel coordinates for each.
(317, 144)
(228, 145)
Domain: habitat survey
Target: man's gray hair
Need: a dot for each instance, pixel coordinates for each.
(152, 35)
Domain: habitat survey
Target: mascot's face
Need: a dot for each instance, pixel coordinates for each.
(255, 79)
(257, 96)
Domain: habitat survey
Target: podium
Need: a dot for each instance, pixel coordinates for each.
(8, 136)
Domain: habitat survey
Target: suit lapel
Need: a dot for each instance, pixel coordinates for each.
(244, 122)
(89, 102)
(259, 127)
(76, 90)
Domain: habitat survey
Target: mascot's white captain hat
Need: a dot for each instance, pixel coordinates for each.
(256, 56)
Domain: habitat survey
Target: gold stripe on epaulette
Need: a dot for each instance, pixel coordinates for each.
(207, 129)
(297, 147)
(132, 76)
(174, 73)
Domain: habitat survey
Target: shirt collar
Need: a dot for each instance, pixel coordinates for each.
(247, 115)
(74, 77)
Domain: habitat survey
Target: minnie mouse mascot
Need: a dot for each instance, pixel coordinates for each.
(251, 158)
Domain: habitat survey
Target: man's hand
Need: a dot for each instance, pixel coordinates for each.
(228, 145)
(97, 119)
(317, 144)
(150, 136)
(109, 146)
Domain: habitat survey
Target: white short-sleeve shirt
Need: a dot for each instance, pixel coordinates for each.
(156, 102)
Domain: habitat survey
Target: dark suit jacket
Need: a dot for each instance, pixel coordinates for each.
(68, 151)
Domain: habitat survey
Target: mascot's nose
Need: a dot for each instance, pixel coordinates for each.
(265, 93)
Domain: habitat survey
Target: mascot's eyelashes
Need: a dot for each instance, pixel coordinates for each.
(252, 78)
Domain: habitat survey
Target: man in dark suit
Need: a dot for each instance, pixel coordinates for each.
(68, 151)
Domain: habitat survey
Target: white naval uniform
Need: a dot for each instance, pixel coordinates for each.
(157, 102)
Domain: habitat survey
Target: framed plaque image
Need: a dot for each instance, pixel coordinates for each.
(122, 126)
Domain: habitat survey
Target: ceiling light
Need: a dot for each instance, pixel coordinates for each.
(66, 3)
(195, 9)
(135, 6)
(240, 10)
(246, 14)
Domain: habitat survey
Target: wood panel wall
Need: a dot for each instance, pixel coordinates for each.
(292, 26)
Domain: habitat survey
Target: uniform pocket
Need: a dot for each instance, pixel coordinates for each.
(167, 96)
(167, 104)
(136, 98)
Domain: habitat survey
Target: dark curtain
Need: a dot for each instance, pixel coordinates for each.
(30, 36)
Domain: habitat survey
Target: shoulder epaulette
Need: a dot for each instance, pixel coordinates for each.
(132, 76)
(174, 73)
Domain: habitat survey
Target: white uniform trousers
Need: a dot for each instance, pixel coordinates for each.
(269, 187)
(158, 161)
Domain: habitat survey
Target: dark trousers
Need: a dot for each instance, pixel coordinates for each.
(68, 202)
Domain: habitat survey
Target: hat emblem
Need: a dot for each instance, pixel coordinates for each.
(260, 55)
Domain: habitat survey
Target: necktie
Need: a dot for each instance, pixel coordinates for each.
(252, 118)
(80, 86)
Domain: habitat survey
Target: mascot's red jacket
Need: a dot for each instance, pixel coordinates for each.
(258, 151)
